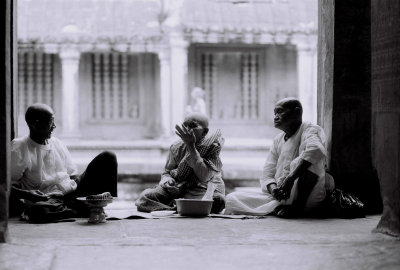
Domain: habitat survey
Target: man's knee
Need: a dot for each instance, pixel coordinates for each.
(218, 204)
(108, 156)
(144, 197)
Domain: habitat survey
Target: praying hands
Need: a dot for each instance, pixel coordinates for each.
(187, 135)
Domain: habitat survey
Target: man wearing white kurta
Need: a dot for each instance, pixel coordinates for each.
(293, 179)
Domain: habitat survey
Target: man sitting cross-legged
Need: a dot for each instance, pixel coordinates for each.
(193, 162)
(293, 182)
(44, 176)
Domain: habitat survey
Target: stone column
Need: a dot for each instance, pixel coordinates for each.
(385, 40)
(8, 96)
(70, 93)
(307, 78)
(165, 93)
(179, 66)
(344, 92)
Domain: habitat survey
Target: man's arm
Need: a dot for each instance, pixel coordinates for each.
(313, 138)
(18, 166)
(288, 182)
(200, 168)
(166, 178)
(267, 180)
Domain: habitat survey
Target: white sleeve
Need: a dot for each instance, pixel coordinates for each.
(314, 149)
(18, 163)
(71, 167)
(269, 170)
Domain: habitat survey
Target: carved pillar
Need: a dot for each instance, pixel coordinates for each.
(307, 78)
(385, 40)
(179, 66)
(70, 92)
(165, 93)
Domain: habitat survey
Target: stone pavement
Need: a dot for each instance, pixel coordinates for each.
(200, 243)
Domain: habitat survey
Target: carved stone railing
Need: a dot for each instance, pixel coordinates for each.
(35, 79)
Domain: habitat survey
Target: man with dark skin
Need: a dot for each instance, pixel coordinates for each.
(293, 180)
(44, 176)
(192, 164)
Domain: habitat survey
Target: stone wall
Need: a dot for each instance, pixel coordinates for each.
(386, 108)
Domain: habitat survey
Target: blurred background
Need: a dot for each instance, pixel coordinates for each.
(120, 74)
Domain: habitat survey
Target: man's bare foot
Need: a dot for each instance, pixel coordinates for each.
(286, 211)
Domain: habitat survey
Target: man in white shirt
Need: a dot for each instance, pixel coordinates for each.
(294, 179)
(44, 176)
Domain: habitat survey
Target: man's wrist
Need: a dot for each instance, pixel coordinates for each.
(191, 147)
(271, 187)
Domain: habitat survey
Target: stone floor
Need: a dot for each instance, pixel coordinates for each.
(200, 243)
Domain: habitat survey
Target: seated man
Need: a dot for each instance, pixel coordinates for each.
(192, 164)
(293, 179)
(45, 177)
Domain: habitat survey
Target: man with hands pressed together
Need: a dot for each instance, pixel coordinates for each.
(193, 162)
(293, 179)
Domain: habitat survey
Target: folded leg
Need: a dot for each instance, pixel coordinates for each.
(156, 199)
(305, 185)
(100, 176)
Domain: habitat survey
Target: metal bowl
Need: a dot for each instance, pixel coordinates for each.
(97, 214)
(193, 207)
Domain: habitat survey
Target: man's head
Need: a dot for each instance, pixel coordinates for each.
(197, 122)
(40, 120)
(287, 113)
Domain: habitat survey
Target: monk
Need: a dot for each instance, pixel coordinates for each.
(293, 181)
(44, 177)
(192, 164)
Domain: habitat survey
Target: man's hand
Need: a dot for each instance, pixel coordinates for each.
(286, 187)
(186, 135)
(35, 196)
(167, 182)
(277, 194)
(275, 191)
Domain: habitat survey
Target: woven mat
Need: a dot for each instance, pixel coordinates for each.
(132, 213)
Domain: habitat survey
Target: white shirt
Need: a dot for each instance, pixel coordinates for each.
(43, 167)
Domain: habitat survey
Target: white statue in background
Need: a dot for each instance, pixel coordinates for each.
(197, 102)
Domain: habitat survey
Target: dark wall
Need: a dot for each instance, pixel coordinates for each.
(351, 162)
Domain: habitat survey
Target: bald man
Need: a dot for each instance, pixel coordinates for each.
(46, 179)
(293, 182)
(192, 164)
